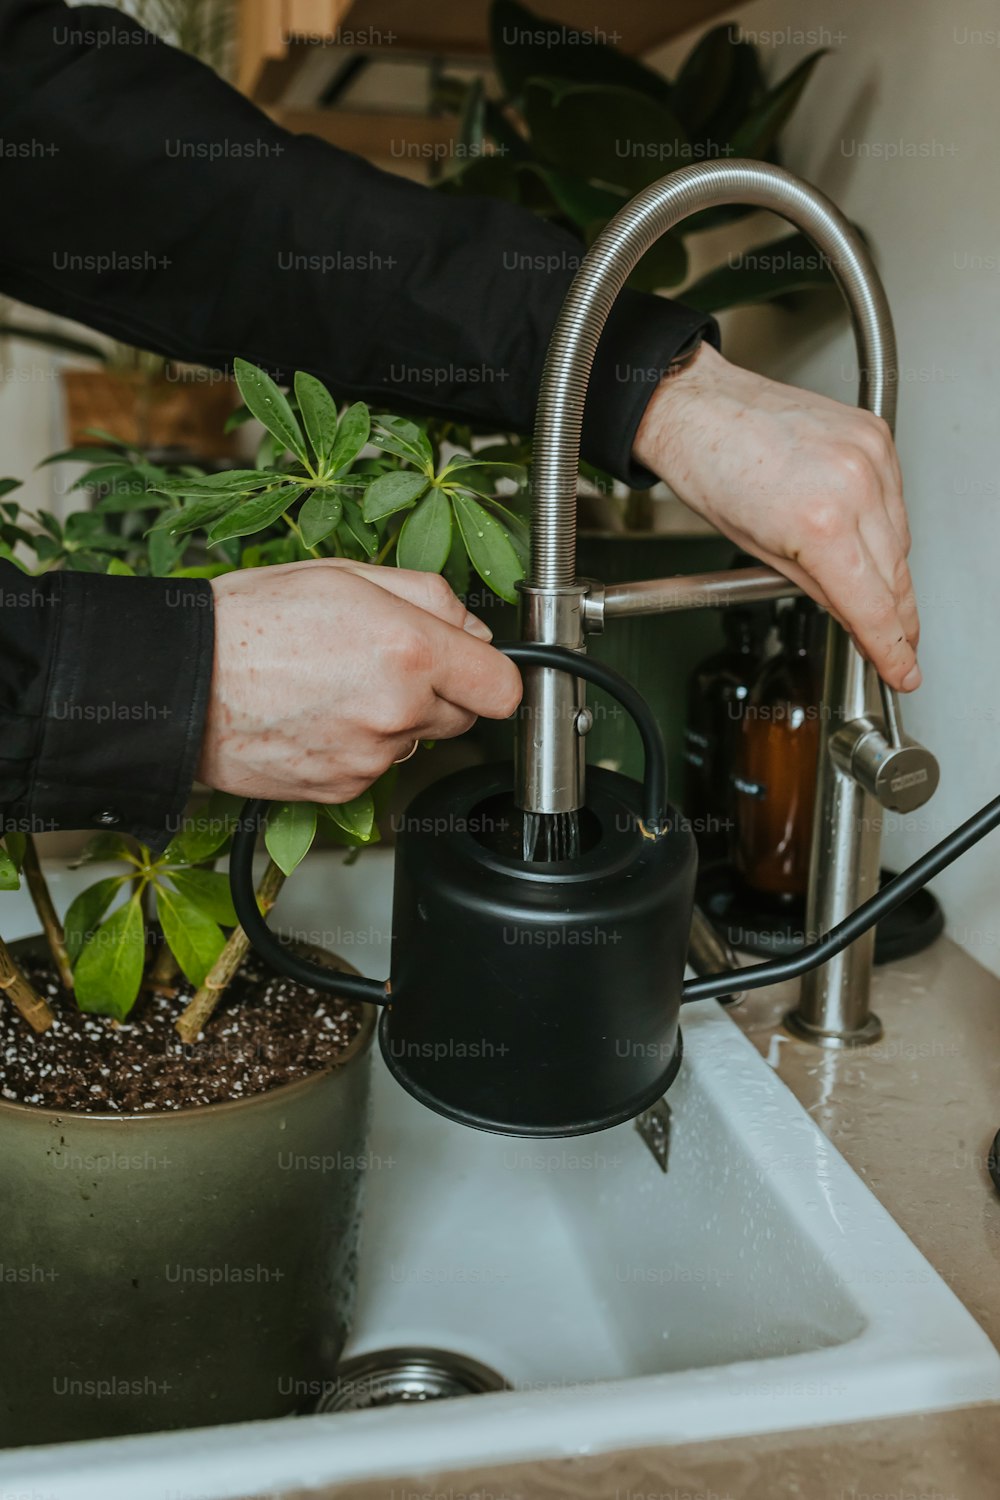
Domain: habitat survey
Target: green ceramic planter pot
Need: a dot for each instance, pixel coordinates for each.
(178, 1269)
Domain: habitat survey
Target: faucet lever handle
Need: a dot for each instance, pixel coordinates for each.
(876, 753)
(891, 714)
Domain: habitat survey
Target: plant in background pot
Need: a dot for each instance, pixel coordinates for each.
(184, 1131)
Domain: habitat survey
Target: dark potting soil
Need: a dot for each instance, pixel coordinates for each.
(268, 1031)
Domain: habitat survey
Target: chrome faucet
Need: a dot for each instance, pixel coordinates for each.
(866, 762)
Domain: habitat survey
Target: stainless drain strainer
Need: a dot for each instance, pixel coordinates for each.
(386, 1377)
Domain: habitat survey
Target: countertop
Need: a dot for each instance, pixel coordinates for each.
(915, 1115)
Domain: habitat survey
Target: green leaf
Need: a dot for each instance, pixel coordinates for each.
(404, 438)
(472, 122)
(204, 833)
(665, 263)
(51, 524)
(165, 552)
(15, 844)
(580, 200)
(119, 569)
(7, 485)
(319, 516)
(203, 570)
(122, 498)
(227, 481)
(270, 406)
(356, 818)
(705, 77)
(425, 540)
(191, 935)
(103, 474)
(83, 456)
(481, 478)
(625, 138)
(85, 912)
(104, 436)
(391, 492)
(787, 265)
(759, 131)
(517, 529)
(319, 414)
(745, 87)
(10, 880)
(209, 891)
(290, 831)
(352, 435)
(85, 528)
(257, 513)
(490, 549)
(356, 526)
(104, 846)
(108, 972)
(192, 517)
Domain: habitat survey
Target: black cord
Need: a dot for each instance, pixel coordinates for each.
(279, 954)
(534, 654)
(711, 986)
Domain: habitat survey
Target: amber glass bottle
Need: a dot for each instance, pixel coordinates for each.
(717, 692)
(775, 770)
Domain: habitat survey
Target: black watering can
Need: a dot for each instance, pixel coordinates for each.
(541, 998)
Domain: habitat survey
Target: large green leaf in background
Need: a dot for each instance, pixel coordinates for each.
(614, 135)
(764, 272)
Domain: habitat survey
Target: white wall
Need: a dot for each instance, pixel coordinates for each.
(31, 420)
(909, 77)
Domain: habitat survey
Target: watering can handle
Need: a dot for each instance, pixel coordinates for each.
(283, 957)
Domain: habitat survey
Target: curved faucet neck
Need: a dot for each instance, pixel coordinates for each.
(609, 263)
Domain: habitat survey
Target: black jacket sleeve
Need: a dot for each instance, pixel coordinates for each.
(100, 711)
(144, 197)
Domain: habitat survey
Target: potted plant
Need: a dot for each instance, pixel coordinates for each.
(184, 1132)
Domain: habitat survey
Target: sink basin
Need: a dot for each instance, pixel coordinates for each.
(755, 1286)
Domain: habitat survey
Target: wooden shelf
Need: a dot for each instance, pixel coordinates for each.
(276, 37)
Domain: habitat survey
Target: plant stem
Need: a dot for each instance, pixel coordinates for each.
(21, 993)
(51, 925)
(164, 969)
(193, 1019)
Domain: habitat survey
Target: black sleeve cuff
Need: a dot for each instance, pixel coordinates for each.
(640, 338)
(124, 709)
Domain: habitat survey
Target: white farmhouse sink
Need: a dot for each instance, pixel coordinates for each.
(756, 1286)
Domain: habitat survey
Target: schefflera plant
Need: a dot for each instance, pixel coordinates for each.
(326, 484)
(357, 484)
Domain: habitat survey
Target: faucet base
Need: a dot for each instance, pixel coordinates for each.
(868, 1032)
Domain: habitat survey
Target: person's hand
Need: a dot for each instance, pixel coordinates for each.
(808, 485)
(326, 672)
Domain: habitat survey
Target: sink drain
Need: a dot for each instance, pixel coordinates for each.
(387, 1377)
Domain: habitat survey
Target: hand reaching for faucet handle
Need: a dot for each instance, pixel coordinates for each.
(808, 485)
